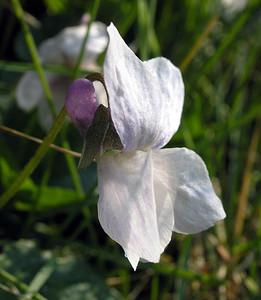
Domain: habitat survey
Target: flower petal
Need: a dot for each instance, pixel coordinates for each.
(81, 103)
(100, 93)
(164, 209)
(180, 176)
(29, 91)
(71, 38)
(126, 206)
(146, 98)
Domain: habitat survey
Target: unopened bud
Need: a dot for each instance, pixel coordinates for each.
(81, 103)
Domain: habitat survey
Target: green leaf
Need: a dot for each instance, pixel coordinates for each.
(49, 198)
(8, 175)
(35, 198)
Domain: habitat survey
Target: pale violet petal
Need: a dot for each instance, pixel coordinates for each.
(182, 178)
(29, 91)
(146, 98)
(126, 206)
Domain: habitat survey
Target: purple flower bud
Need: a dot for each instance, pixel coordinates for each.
(81, 103)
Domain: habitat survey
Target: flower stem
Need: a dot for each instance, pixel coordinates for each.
(21, 67)
(6, 276)
(245, 187)
(34, 54)
(199, 42)
(35, 160)
(81, 54)
(72, 167)
(18, 133)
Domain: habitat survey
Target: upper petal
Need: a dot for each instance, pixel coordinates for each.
(146, 98)
(126, 206)
(182, 179)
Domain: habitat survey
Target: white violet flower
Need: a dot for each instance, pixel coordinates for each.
(62, 49)
(145, 192)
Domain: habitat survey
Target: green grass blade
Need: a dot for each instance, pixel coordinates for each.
(35, 160)
(34, 54)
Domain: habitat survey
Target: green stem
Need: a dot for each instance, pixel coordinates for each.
(34, 54)
(73, 169)
(21, 67)
(199, 42)
(80, 56)
(40, 279)
(154, 291)
(35, 160)
(6, 276)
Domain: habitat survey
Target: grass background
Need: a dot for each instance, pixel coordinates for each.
(52, 246)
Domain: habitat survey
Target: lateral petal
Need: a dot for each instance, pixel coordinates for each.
(184, 181)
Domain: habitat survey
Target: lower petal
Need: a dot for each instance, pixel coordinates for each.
(126, 207)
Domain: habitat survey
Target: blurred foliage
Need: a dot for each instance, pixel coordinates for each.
(51, 242)
(53, 270)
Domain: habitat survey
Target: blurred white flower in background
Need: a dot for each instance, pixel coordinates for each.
(234, 6)
(62, 49)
